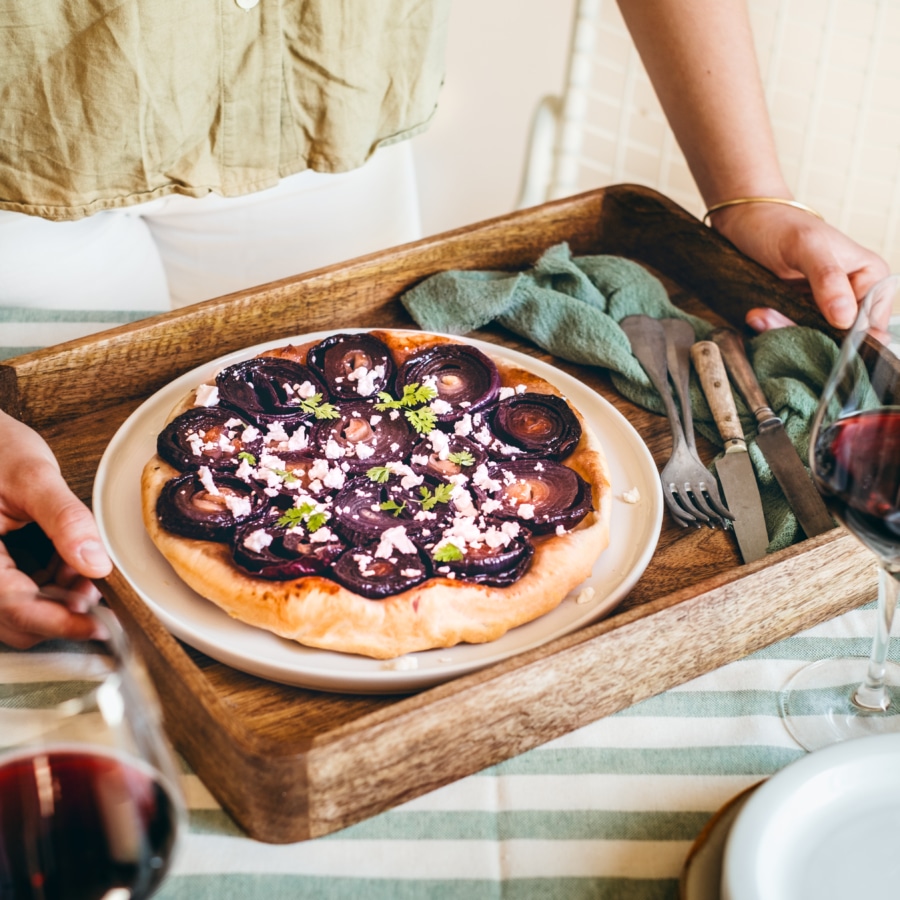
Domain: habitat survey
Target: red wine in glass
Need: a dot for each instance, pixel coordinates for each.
(78, 824)
(855, 463)
(857, 467)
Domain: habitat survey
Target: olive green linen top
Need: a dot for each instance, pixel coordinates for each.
(109, 103)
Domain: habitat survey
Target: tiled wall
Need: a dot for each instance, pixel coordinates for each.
(831, 70)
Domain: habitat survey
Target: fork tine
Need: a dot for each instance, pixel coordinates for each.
(701, 501)
(717, 508)
(678, 514)
(681, 496)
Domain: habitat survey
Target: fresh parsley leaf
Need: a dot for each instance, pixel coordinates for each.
(393, 506)
(413, 395)
(421, 393)
(442, 492)
(287, 476)
(448, 553)
(441, 495)
(291, 519)
(423, 420)
(379, 474)
(317, 408)
(249, 457)
(305, 514)
(462, 458)
(316, 521)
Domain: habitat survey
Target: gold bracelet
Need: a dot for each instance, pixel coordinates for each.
(742, 200)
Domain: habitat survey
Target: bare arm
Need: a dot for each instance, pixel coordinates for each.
(701, 58)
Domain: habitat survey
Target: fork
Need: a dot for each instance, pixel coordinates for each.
(690, 493)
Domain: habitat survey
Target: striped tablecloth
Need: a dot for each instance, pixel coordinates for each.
(608, 811)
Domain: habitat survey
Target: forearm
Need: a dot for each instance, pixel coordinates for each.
(702, 61)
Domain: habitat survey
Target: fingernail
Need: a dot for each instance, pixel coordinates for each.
(757, 323)
(93, 555)
(100, 632)
(843, 314)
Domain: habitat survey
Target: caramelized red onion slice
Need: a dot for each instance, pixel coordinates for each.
(354, 366)
(187, 508)
(281, 552)
(365, 437)
(462, 375)
(537, 424)
(491, 566)
(365, 509)
(269, 389)
(541, 495)
(360, 571)
(202, 437)
(439, 464)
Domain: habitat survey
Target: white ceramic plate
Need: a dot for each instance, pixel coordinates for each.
(634, 532)
(823, 828)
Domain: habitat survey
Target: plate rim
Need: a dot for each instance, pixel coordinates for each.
(384, 679)
(762, 808)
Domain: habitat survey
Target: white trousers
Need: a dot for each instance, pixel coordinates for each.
(176, 250)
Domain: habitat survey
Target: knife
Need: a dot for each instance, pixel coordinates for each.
(772, 439)
(734, 469)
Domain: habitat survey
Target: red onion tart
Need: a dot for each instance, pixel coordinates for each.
(379, 493)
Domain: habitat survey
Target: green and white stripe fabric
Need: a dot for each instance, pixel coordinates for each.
(23, 329)
(608, 811)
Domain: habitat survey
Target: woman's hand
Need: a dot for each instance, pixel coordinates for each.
(797, 246)
(33, 490)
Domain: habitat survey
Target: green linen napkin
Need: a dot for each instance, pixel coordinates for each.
(571, 308)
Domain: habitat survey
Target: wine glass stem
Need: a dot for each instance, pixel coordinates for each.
(872, 695)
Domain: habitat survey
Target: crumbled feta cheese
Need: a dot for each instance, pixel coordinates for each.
(245, 471)
(401, 664)
(526, 510)
(275, 433)
(207, 395)
(366, 381)
(333, 450)
(481, 479)
(464, 426)
(206, 479)
(394, 539)
(440, 443)
(299, 440)
(257, 540)
(335, 478)
(238, 506)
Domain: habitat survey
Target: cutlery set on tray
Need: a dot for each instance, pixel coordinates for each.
(666, 348)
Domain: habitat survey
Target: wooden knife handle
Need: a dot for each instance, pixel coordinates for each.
(708, 363)
(731, 345)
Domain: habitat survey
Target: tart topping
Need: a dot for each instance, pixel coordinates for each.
(437, 477)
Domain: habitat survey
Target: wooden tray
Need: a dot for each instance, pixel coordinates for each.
(291, 764)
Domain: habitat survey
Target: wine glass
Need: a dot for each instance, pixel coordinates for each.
(855, 463)
(89, 800)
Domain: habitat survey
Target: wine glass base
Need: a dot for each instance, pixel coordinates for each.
(818, 709)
